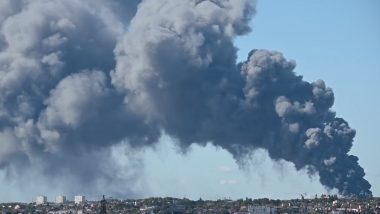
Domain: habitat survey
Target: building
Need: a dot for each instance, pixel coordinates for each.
(176, 208)
(147, 210)
(78, 199)
(60, 199)
(41, 200)
(103, 206)
(261, 210)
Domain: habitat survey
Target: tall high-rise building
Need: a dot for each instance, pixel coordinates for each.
(78, 199)
(60, 199)
(103, 206)
(41, 200)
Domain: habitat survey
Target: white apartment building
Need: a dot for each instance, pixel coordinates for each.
(41, 200)
(60, 199)
(78, 199)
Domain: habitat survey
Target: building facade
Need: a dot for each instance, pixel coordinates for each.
(60, 199)
(78, 199)
(41, 200)
(261, 210)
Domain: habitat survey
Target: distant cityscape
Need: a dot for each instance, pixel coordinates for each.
(155, 205)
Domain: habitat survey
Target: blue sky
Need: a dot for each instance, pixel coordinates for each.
(337, 41)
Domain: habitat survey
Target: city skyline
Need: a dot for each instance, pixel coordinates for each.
(322, 204)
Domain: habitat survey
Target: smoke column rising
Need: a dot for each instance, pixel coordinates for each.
(80, 77)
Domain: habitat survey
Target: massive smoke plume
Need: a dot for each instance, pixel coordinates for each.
(78, 77)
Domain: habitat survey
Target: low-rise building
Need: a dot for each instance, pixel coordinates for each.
(261, 210)
(147, 210)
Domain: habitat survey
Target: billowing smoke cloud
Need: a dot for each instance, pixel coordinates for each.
(59, 114)
(79, 77)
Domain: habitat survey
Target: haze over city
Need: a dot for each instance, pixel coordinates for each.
(194, 99)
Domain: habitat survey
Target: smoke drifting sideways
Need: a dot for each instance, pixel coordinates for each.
(78, 78)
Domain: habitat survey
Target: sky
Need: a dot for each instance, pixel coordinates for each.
(337, 41)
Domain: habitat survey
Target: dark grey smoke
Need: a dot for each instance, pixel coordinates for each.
(77, 78)
(59, 115)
